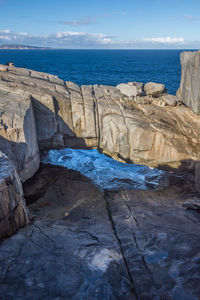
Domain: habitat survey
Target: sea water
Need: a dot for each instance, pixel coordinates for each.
(104, 171)
(109, 67)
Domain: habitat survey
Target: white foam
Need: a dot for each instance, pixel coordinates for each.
(104, 171)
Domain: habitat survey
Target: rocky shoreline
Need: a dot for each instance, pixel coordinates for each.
(131, 122)
(126, 244)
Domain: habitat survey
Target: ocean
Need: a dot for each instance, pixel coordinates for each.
(109, 67)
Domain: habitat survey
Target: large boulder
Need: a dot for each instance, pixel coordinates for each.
(13, 211)
(154, 89)
(170, 99)
(189, 91)
(138, 85)
(127, 89)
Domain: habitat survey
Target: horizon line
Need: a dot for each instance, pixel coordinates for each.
(117, 49)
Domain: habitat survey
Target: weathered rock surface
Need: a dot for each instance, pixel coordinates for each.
(13, 211)
(170, 99)
(82, 244)
(18, 138)
(154, 89)
(127, 89)
(189, 91)
(70, 250)
(143, 131)
(160, 242)
(138, 85)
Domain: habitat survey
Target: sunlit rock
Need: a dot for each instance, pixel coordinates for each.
(189, 91)
(154, 89)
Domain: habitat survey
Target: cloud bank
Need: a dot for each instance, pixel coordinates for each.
(84, 40)
(166, 40)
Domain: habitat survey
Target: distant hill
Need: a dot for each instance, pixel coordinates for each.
(22, 47)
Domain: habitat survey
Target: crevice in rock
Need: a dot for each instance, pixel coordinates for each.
(124, 118)
(131, 213)
(97, 120)
(81, 93)
(106, 195)
(70, 106)
(44, 249)
(135, 238)
(12, 262)
(56, 110)
(44, 234)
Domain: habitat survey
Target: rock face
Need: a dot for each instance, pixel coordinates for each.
(189, 91)
(18, 138)
(13, 211)
(70, 251)
(143, 130)
(84, 244)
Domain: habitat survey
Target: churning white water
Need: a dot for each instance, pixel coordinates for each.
(104, 171)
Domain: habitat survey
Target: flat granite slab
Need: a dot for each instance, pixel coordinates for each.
(84, 244)
(70, 250)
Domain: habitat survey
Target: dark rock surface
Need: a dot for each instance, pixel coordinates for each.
(82, 244)
(70, 250)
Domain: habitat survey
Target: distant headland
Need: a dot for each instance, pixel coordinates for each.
(22, 47)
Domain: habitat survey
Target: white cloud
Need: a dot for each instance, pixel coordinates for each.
(5, 31)
(4, 37)
(84, 40)
(165, 40)
(67, 34)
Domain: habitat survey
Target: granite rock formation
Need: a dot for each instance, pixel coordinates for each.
(18, 139)
(141, 129)
(84, 244)
(154, 89)
(127, 89)
(189, 91)
(13, 210)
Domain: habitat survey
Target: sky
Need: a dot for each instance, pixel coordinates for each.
(105, 24)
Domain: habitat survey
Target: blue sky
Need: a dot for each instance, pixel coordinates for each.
(101, 24)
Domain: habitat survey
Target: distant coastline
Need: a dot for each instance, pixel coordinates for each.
(28, 47)
(22, 47)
